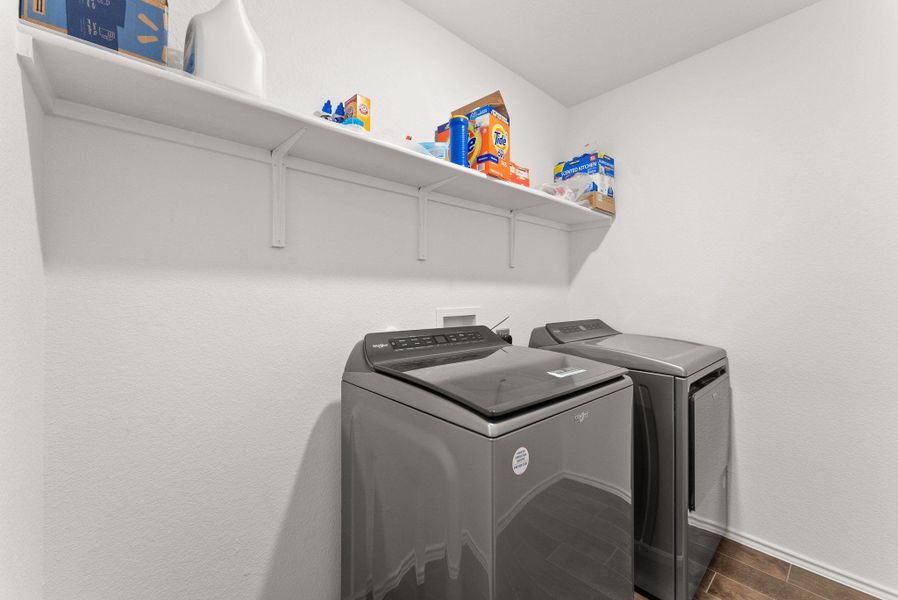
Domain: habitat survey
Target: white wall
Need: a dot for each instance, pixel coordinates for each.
(192, 430)
(21, 334)
(757, 211)
(191, 444)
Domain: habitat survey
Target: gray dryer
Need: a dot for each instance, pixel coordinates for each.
(681, 440)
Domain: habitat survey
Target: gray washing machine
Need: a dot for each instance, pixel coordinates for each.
(477, 470)
(681, 440)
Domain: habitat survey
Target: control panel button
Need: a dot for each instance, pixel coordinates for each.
(425, 341)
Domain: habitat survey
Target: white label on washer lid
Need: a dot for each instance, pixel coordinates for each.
(567, 372)
(520, 460)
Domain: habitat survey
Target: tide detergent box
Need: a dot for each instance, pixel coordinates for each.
(358, 110)
(599, 167)
(491, 143)
(133, 27)
(489, 135)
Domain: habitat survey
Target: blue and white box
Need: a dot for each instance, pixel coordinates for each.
(598, 166)
(134, 27)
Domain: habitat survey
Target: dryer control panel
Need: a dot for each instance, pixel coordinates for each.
(574, 331)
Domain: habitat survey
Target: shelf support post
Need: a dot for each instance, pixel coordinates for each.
(513, 233)
(512, 238)
(423, 193)
(422, 224)
(279, 190)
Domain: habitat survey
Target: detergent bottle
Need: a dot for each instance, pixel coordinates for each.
(222, 47)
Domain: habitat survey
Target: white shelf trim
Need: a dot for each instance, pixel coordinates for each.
(48, 59)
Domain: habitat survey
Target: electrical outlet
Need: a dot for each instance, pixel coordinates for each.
(457, 317)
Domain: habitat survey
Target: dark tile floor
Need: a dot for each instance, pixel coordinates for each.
(742, 573)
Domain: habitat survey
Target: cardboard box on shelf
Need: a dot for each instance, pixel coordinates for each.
(492, 129)
(133, 27)
(518, 174)
(598, 201)
(489, 135)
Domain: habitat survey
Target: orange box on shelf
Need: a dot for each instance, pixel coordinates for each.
(519, 175)
(489, 135)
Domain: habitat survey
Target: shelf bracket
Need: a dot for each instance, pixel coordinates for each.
(423, 193)
(512, 238)
(28, 61)
(279, 189)
(513, 233)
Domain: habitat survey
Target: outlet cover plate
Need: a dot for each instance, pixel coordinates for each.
(457, 316)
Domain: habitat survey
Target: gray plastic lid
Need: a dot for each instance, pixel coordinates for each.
(647, 353)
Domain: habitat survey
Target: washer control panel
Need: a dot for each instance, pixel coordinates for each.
(420, 341)
(397, 344)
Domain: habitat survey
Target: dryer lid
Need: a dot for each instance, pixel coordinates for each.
(474, 367)
(647, 353)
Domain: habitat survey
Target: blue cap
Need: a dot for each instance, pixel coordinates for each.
(341, 112)
(327, 108)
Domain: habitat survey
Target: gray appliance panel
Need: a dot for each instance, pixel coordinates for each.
(599, 342)
(500, 380)
(475, 368)
(434, 510)
(703, 422)
(416, 504)
(674, 544)
(447, 410)
(574, 331)
(564, 526)
(647, 353)
(654, 482)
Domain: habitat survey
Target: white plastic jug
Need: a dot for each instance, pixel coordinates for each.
(222, 47)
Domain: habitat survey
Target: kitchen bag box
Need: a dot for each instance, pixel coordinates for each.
(133, 27)
(599, 167)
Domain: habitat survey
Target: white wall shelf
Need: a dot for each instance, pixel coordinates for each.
(79, 81)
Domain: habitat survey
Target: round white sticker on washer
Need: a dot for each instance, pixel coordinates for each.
(520, 460)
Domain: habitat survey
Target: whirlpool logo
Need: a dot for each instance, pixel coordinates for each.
(581, 416)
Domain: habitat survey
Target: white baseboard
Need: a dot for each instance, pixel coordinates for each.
(852, 581)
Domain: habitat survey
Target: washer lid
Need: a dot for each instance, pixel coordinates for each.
(482, 372)
(647, 353)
